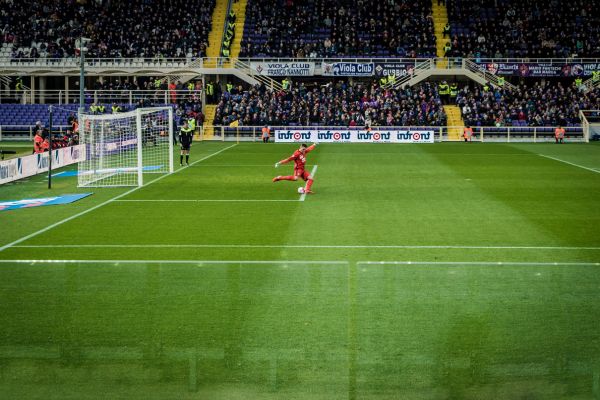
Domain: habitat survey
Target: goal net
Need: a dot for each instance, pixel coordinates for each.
(121, 148)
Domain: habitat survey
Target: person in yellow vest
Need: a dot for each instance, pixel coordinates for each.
(192, 124)
(228, 87)
(383, 81)
(444, 91)
(467, 133)
(501, 81)
(453, 92)
(210, 91)
(266, 134)
(447, 49)
(446, 30)
(94, 108)
(486, 87)
(19, 89)
(226, 53)
(115, 108)
(559, 134)
(391, 79)
(285, 84)
(578, 82)
(101, 109)
(190, 86)
(157, 83)
(595, 76)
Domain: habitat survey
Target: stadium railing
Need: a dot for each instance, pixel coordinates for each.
(98, 96)
(25, 132)
(442, 133)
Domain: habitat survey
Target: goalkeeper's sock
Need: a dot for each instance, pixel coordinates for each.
(287, 178)
(187, 159)
(308, 184)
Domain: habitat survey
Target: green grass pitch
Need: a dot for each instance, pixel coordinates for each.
(444, 271)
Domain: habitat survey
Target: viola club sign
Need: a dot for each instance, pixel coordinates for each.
(284, 68)
(348, 69)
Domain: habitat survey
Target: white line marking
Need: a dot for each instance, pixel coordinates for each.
(198, 200)
(301, 246)
(483, 263)
(236, 165)
(596, 170)
(313, 172)
(171, 262)
(6, 246)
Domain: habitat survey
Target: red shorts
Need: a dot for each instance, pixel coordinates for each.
(301, 173)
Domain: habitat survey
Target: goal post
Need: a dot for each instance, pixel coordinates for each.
(121, 148)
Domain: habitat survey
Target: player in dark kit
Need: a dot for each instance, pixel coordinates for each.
(185, 138)
(299, 158)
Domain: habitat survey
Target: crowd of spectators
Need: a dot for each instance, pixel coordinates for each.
(538, 103)
(333, 104)
(524, 28)
(118, 28)
(338, 28)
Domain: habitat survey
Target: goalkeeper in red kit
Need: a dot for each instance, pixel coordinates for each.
(299, 158)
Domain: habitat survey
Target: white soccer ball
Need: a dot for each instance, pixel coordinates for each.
(301, 190)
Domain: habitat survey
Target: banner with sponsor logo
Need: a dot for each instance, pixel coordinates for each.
(395, 68)
(23, 167)
(44, 201)
(348, 69)
(546, 70)
(284, 68)
(354, 136)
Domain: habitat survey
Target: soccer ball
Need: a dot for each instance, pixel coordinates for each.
(301, 190)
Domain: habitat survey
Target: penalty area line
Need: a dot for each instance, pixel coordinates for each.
(202, 200)
(312, 173)
(72, 217)
(596, 170)
(482, 263)
(301, 262)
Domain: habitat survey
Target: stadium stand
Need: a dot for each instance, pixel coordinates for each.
(135, 28)
(524, 28)
(341, 104)
(340, 28)
(538, 103)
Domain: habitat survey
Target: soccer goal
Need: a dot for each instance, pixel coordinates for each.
(121, 148)
(590, 122)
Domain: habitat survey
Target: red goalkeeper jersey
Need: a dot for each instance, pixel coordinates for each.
(299, 158)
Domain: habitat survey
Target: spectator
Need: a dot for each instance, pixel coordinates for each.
(341, 104)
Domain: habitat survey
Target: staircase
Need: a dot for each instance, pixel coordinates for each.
(209, 118)
(440, 19)
(239, 8)
(455, 122)
(215, 37)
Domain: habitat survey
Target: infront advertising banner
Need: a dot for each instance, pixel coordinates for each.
(22, 167)
(348, 69)
(284, 68)
(538, 69)
(358, 136)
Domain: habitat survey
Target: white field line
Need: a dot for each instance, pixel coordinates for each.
(171, 262)
(596, 170)
(483, 263)
(313, 172)
(24, 238)
(199, 200)
(300, 246)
